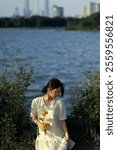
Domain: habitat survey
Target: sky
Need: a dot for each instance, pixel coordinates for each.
(71, 7)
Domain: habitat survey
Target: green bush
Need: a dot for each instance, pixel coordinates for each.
(14, 117)
(84, 121)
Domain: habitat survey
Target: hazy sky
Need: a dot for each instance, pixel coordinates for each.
(71, 7)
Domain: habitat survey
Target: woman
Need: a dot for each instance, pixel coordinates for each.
(49, 114)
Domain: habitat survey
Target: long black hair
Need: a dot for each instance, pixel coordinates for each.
(54, 84)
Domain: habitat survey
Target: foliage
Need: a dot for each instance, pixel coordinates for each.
(72, 23)
(34, 21)
(84, 122)
(14, 119)
(8, 131)
(89, 23)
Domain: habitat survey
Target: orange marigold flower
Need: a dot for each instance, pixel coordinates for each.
(40, 118)
(46, 125)
(44, 113)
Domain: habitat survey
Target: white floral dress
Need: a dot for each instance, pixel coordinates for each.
(52, 139)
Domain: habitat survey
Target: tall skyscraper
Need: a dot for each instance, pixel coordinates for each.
(84, 11)
(17, 11)
(38, 13)
(47, 11)
(27, 11)
(93, 8)
(90, 9)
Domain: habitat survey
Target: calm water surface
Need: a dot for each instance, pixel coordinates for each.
(51, 53)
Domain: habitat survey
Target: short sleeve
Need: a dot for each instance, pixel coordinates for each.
(62, 111)
(33, 112)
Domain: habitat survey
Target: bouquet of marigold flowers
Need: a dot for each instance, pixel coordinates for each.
(41, 119)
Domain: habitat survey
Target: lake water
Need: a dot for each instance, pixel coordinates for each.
(51, 53)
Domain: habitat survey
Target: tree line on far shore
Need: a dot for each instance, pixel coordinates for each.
(91, 22)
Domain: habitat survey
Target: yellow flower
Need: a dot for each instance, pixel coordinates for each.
(46, 125)
(44, 113)
(41, 118)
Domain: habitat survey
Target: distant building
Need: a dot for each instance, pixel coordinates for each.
(47, 11)
(38, 7)
(16, 13)
(57, 11)
(90, 9)
(42, 13)
(27, 11)
(93, 8)
(84, 12)
(77, 16)
(98, 7)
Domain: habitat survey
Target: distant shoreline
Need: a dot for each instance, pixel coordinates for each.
(47, 28)
(90, 23)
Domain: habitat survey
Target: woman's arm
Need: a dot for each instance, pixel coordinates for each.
(64, 127)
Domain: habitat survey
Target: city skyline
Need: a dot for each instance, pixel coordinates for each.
(7, 7)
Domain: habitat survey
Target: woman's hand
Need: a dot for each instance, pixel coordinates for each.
(42, 126)
(67, 138)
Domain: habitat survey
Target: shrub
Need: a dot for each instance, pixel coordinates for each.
(14, 119)
(84, 122)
